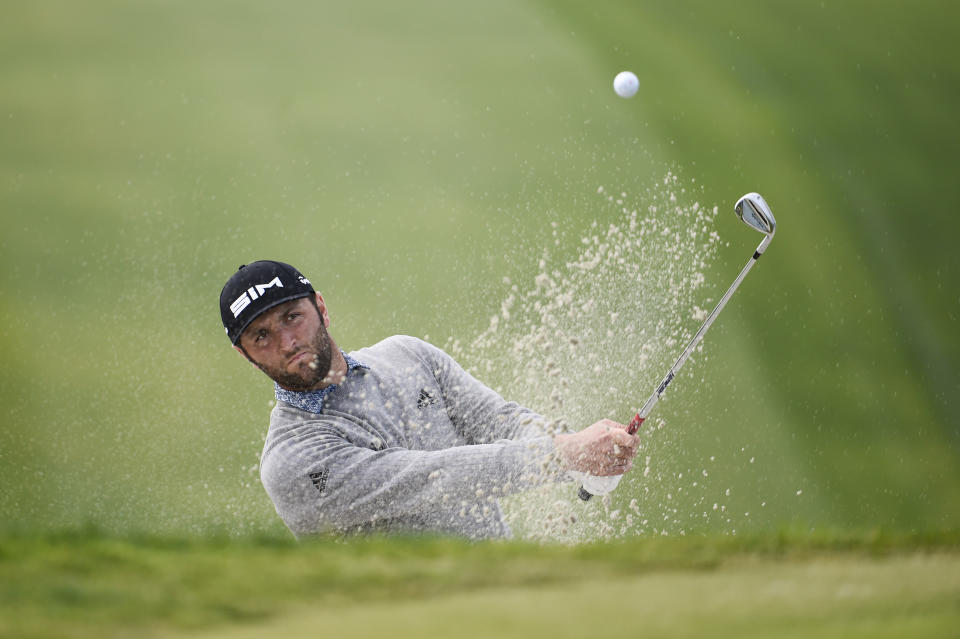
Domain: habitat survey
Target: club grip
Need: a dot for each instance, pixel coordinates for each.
(591, 485)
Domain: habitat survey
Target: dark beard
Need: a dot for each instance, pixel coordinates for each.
(314, 371)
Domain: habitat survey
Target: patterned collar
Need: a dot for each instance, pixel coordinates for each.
(312, 401)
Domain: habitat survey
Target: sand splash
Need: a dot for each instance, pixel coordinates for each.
(589, 336)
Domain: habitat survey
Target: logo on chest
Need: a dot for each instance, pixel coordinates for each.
(426, 399)
(319, 479)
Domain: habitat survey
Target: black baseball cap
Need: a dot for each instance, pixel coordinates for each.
(256, 288)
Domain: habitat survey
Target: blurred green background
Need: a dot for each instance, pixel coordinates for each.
(408, 157)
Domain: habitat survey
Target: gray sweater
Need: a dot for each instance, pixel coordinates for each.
(408, 442)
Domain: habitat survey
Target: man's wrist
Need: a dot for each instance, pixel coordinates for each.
(562, 442)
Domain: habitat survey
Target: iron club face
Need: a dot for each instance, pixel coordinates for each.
(756, 213)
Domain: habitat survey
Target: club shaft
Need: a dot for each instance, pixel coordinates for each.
(685, 355)
(755, 212)
(639, 418)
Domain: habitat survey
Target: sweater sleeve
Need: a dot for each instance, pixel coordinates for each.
(326, 482)
(478, 412)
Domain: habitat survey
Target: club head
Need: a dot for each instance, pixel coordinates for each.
(755, 213)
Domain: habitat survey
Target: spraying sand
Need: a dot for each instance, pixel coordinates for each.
(591, 332)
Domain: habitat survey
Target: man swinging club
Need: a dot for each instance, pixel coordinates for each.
(395, 437)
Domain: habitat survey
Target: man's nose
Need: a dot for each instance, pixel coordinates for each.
(288, 341)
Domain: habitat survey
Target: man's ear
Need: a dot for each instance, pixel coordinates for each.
(322, 307)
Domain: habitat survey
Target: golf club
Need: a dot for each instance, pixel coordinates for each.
(756, 214)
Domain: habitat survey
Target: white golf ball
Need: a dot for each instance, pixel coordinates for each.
(626, 84)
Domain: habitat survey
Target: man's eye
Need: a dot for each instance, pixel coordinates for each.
(261, 336)
(293, 316)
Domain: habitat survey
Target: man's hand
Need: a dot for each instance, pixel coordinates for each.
(602, 449)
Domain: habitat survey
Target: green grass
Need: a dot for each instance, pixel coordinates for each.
(88, 585)
(838, 597)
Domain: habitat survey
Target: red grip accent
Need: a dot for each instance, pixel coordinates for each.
(635, 424)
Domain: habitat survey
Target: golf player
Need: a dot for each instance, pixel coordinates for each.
(395, 437)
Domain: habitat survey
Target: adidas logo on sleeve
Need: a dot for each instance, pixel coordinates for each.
(426, 399)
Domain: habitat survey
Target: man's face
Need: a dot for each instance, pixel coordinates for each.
(290, 344)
